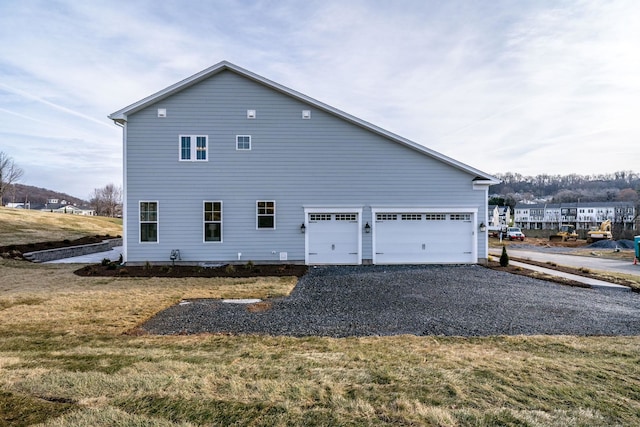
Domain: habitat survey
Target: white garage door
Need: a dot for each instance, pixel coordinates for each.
(419, 238)
(333, 238)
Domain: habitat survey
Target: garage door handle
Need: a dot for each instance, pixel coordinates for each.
(353, 253)
(313, 253)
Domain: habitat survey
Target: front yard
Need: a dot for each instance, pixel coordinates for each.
(67, 357)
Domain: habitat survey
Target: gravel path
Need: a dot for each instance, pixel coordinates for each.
(466, 300)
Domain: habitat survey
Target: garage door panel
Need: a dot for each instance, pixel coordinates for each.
(333, 238)
(423, 238)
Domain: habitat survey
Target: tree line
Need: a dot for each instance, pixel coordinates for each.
(105, 201)
(617, 186)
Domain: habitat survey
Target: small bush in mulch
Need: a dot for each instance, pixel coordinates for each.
(504, 258)
(150, 270)
(16, 251)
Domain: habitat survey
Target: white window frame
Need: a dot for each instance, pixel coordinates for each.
(238, 143)
(193, 148)
(156, 222)
(258, 215)
(205, 222)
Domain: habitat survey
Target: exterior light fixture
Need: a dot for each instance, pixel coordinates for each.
(367, 228)
(483, 227)
(303, 228)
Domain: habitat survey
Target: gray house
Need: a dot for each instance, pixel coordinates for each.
(229, 166)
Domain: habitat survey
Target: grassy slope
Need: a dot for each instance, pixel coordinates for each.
(18, 226)
(65, 359)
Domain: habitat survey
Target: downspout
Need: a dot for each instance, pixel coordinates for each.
(123, 124)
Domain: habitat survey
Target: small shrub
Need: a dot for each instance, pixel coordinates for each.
(105, 262)
(166, 269)
(504, 258)
(123, 272)
(147, 266)
(67, 241)
(230, 269)
(120, 259)
(111, 266)
(584, 270)
(249, 265)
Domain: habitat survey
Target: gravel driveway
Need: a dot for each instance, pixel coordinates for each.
(466, 300)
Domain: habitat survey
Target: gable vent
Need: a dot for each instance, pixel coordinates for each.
(162, 112)
(306, 114)
(251, 114)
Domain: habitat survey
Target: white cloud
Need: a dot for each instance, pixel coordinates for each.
(532, 87)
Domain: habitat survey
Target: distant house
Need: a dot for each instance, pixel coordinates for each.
(581, 215)
(229, 166)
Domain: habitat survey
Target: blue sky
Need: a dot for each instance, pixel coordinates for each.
(523, 86)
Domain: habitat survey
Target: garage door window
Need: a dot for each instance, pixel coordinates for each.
(346, 217)
(435, 217)
(386, 217)
(319, 217)
(411, 217)
(460, 217)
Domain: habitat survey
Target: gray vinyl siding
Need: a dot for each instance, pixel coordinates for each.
(325, 161)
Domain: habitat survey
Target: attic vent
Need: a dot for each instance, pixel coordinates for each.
(162, 112)
(306, 114)
(251, 114)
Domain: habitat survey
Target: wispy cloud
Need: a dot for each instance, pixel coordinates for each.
(524, 86)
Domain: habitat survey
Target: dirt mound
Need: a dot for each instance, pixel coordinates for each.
(612, 244)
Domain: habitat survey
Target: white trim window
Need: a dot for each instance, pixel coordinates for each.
(148, 222)
(243, 142)
(265, 214)
(212, 215)
(193, 148)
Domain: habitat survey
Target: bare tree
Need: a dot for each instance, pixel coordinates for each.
(107, 201)
(10, 173)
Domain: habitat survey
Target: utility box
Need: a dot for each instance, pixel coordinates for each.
(636, 245)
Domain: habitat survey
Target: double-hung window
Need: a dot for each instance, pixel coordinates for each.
(193, 148)
(213, 221)
(243, 142)
(266, 214)
(148, 221)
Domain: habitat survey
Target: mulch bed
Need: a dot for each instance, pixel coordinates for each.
(229, 270)
(250, 270)
(16, 251)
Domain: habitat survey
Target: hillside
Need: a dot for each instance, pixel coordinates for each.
(21, 193)
(18, 226)
(622, 186)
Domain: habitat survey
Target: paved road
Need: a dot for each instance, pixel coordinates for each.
(603, 264)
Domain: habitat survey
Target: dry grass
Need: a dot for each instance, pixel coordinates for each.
(65, 360)
(19, 226)
(30, 300)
